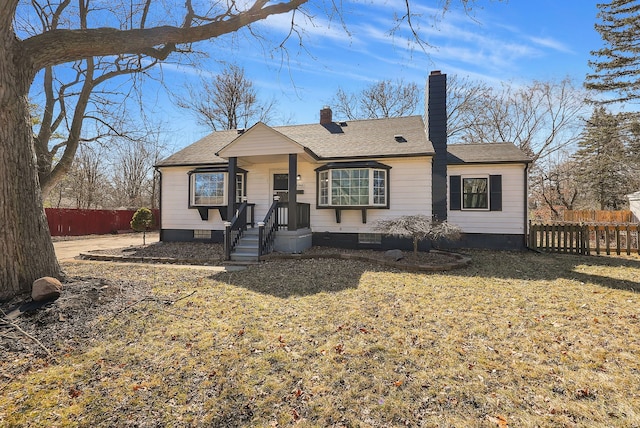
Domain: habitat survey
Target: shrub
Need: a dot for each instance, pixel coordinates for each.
(142, 221)
(417, 227)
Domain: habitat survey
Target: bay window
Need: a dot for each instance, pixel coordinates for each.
(208, 187)
(353, 184)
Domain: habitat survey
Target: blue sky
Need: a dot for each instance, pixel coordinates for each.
(516, 40)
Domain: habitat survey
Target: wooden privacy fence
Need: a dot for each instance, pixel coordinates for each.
(581, 238)
(597, 217)
(76, 222)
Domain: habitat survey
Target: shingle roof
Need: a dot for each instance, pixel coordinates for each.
(485, 153)
(355, 139)
(351, 139)
(202, 152)
(363, 138)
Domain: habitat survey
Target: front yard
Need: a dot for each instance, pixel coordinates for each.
(514, 339)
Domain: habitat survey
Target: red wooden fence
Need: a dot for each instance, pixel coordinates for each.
(74, 222)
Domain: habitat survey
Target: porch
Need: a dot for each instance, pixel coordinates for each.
(286, 228)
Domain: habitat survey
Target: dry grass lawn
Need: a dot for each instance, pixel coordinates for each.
(515, 339)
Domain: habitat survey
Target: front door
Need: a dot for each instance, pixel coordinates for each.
(281, 186)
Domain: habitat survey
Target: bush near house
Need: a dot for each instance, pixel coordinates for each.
(418, 227)
(142, 221)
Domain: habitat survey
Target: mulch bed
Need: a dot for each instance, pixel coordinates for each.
(207, 254)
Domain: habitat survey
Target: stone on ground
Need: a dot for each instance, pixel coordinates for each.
(394, 255)
(46, 288)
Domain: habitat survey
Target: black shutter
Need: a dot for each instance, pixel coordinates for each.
(455, 192)
(495, 189)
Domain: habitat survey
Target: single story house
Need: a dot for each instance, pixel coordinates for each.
(327, 183)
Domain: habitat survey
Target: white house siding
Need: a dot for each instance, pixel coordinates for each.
(511, 220)
(260, 184)
(409, 193)
(175, 213)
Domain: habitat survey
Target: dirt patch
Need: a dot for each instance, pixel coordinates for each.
(40, 331)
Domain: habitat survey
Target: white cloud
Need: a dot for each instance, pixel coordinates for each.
(548, 42)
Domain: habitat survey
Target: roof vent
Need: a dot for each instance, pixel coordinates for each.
(240, 131)
(343, 124)
(400, 139)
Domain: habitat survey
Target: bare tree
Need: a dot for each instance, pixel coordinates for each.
(465, 98)
(76, 98)
(227, 101)
(87, 185)
(379, 100)
(555, 188)
(540, 118)
(147, 31)
(133, 176)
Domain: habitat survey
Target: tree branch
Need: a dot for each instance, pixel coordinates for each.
(60, 46)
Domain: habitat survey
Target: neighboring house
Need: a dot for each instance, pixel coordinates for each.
(334, 179)
(634, 206)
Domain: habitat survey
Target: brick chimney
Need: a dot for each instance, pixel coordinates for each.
(326, 116)
(436, 123)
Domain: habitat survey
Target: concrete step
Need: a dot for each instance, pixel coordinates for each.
(244, 257)
(247, 248)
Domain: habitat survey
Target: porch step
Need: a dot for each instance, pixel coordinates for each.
(247, 248)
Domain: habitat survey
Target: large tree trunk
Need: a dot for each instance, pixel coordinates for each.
(26, 250)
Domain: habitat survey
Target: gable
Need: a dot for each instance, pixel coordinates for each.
(260, 140)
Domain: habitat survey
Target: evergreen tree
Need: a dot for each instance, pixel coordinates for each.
(602, 160)
(142, 221)
(617, 65)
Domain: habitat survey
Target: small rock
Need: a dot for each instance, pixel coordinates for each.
(46, 288)
(394, 255)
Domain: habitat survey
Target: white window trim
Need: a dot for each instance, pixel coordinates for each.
(371, 187)
(483, 176)
(192, 199)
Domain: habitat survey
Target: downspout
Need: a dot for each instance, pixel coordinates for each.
(160, 202)
(526, 205)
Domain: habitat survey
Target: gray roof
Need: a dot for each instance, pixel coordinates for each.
(203, 151)
(338, 140)
(485, 153)
(355, 139)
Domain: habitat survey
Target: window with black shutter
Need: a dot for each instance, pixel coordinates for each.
(475, 193)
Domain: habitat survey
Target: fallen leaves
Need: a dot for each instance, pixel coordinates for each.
(499, 420)
(372, 348)
(74, 392)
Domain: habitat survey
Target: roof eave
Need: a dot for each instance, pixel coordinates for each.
(374, 156)
(488, 162)
(160, 165)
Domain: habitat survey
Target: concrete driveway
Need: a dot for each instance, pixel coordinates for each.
(66, 250)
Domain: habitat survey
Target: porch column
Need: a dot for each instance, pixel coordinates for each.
(231, 187)
(293, 192)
